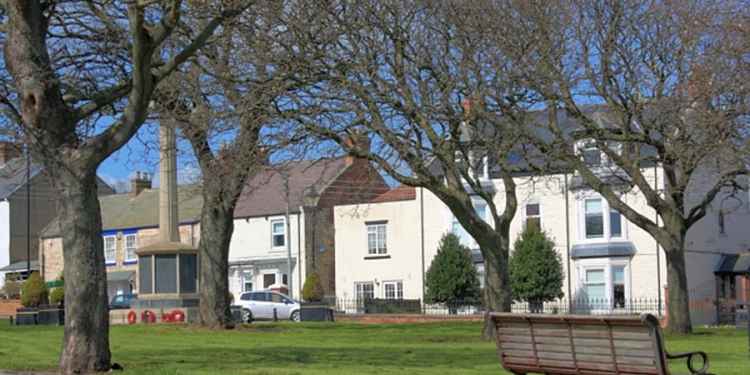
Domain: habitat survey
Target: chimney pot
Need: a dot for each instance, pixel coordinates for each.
(140, 182)
(9, 151)
(358, 141)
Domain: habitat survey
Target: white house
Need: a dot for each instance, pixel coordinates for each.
(386, 246)
(284, 222)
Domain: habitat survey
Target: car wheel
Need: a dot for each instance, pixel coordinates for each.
(247, 316)
(295, 316)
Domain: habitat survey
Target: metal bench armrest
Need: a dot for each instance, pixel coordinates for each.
(702, 371)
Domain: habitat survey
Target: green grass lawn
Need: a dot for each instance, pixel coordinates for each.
(340, 348)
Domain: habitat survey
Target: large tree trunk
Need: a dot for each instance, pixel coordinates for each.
(496, 293)
(678, 308)
(86, 338)
(217, 225)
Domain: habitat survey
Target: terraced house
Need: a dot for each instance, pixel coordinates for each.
(285, 213)
(387, 245)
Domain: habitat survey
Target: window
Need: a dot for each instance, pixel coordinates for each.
(480, 273)
(600, 222)
(604, 282)
(278, 233)
(109, 249)
(595, 285)
(246, 297)
(130, 247)
(618, 286)
(276, 298)
(393, 290)
(594, 218)
(284, 279)
(364, 291)
(615, 223)
(376, 238)
(268, 280)
(260, 297)
(591, 155)
(247, 286)
(533, 218)
(480, 207)
(722, 226)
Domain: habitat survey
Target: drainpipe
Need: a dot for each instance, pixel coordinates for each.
(299, 253)
(658, 249)
(567, 243)
(421, 224)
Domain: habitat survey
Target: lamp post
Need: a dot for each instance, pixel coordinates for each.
(28, 211)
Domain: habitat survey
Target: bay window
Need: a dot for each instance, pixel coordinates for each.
(599, 222)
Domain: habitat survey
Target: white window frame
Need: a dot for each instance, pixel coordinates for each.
(381, 244)
(468, 241)
(526, 216)
(398, 289)
(357, 285)
(607, 264)
(107, 260)
(135, 247)
(606, 163)
(274, 234)
(606, 209)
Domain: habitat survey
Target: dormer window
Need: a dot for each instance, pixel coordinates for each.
(592, 155)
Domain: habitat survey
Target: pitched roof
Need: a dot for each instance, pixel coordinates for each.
(265, 194)
(400, 193)
(13, 176)
(123, 211)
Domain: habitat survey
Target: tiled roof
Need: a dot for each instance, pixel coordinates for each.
(265, 194)
(13, 176)
(123, 211)
(400, 193)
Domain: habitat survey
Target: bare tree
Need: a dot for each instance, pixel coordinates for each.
(413, 77)
(647, 84)
(225, 103)
(82, 75)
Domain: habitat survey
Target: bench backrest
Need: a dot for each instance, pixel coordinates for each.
(578, 344)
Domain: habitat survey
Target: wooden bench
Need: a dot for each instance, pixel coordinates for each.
(580, 344)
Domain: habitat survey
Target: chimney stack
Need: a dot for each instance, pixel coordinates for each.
(9, 151)
(139, 182)
(357, 141)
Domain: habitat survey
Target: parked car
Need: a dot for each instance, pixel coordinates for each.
(122, 301)
(260, 305)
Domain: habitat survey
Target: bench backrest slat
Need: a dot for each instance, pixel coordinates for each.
(572, 344)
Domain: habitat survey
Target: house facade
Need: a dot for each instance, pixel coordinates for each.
(285, 214)
(386, 246)
(129, 221)
(24, 213)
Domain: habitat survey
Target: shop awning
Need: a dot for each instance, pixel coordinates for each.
(734, 264)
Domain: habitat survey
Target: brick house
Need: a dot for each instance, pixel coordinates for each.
(129, 221)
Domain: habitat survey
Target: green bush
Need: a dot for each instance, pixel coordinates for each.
(536, 273)
(34, 291)
(452, 278)
(11, 289)
(312, 291)
(57, 296)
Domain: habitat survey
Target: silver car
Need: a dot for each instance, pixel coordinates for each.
(260, 305)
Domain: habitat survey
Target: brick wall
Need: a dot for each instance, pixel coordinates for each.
(51, 255)
(358, 183)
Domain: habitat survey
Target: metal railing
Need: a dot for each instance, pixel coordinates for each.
(586, 306)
